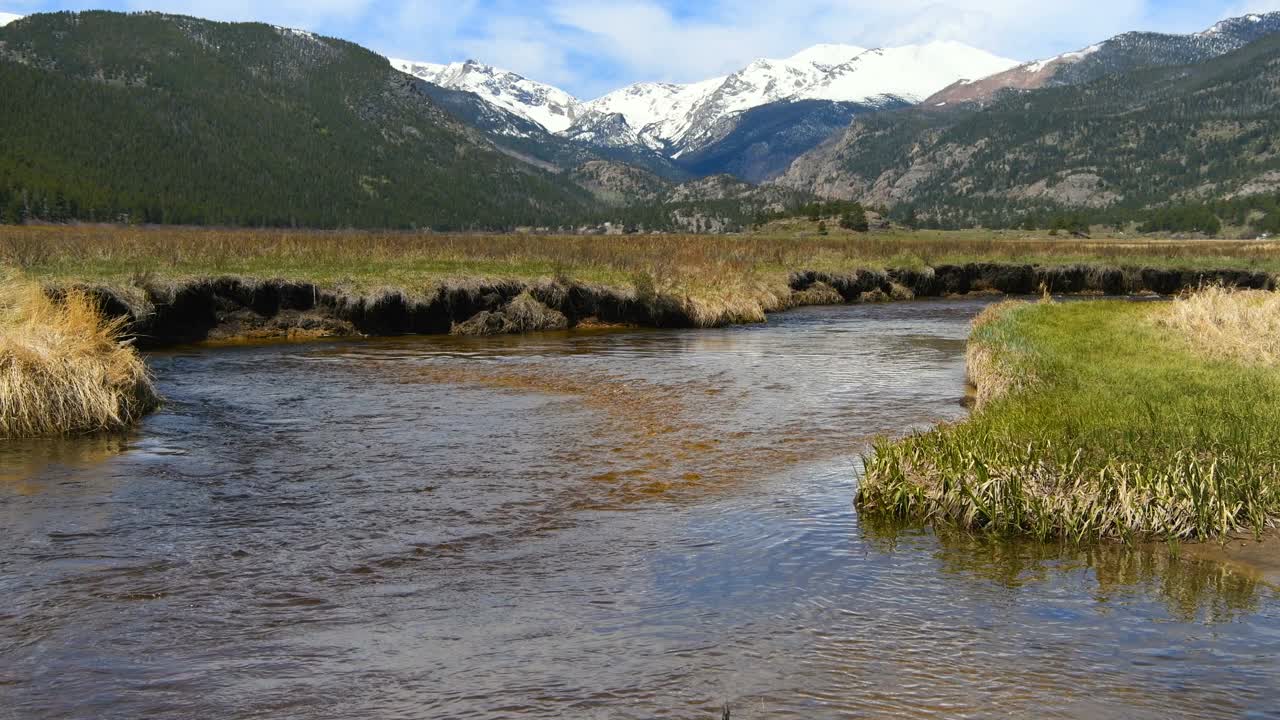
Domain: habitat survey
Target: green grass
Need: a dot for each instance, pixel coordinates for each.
(1109, 425)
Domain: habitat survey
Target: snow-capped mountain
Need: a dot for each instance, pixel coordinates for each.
(1118, 54)
(552, 108)
(599, 129)
(681, 117)
(676, 118)
(6, 18)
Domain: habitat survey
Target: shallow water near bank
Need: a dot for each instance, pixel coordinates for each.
(600, 524)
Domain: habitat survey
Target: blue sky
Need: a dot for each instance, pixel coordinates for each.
(591, 46)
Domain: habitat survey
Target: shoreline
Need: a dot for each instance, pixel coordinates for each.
(1097, 421)
(232, 309)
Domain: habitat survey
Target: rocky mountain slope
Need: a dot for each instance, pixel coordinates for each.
(1134, 139)
(619, 183)
(1122, 53)
(763, 142)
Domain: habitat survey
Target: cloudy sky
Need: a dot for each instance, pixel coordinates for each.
(591, 46)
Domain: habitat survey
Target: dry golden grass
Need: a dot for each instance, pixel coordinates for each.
(699, 264)
(1242, 326)
(714, 280)
(63, 369)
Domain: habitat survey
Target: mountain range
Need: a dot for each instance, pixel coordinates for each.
(165, 118)
(674, 120)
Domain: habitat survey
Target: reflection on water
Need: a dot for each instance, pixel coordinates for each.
(609, 524)
(28, 463)
(1191, 590)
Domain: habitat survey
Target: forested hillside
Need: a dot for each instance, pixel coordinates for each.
(1126, 142)
(159, 118)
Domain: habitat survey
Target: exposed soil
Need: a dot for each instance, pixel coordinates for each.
(234, 308)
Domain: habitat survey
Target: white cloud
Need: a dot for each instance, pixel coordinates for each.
(1254, 6)
(649, 37)
(592, 46)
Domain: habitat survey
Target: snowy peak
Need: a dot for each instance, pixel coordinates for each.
(6, 18)
(827, 54)
(552, 108)
(658, 111)
(683, 117)
(1244, 24)
(911, 72)
(599, 129)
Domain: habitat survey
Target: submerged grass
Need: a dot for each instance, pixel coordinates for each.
(1102, 419)
(63, 369)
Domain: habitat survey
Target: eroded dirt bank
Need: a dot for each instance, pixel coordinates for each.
(232, 308)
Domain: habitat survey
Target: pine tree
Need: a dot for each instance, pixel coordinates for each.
(855, 219)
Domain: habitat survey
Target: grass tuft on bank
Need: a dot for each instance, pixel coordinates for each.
(1230, 324)
(1105, 419)
(63, 369)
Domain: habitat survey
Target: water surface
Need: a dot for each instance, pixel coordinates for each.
(638, 524)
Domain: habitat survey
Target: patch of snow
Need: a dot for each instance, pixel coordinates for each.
(296, 32)
(911, 72)
(1037, 66)
(548, 106)
(1079, 54)
(827, 54)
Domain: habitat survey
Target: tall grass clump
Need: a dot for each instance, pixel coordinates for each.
(1098, 419)
(1229, 324)
(63, 368)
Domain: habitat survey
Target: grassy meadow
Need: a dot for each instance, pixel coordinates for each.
(698, 265)
(1104, 419)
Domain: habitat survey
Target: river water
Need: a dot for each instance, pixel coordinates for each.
(613, 524)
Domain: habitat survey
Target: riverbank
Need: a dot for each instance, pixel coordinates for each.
(231, 308)
(177, 285)
(1104, 419)
(63, 367)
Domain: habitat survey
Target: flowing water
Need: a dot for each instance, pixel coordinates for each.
(622, 524)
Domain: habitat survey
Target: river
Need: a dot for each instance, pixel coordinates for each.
(606, 524)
